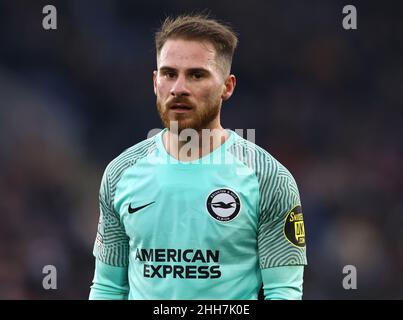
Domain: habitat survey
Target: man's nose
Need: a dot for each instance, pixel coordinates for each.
(179, 88)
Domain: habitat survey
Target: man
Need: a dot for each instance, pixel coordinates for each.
(206, 217)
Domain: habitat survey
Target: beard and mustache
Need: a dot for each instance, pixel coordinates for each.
(200, 117)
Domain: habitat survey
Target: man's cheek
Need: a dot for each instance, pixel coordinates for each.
(212, 97)
(163, 90)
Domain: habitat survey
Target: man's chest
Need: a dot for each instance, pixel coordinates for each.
(166, 206)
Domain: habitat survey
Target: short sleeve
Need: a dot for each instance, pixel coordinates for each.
(281, 231)
(112, 243)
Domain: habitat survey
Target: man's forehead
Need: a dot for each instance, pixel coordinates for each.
(187, 53)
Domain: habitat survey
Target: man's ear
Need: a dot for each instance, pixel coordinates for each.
(155, 73)
(229, 87)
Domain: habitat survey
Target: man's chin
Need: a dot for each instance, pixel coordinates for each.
(175, 125)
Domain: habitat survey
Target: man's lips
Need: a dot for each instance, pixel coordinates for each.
(180, 108)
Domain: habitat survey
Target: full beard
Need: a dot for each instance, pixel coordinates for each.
(199, 118)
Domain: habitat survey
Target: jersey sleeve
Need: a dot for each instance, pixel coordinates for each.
(109, 283)
(281, 232)
(111, 244)
(283, 283)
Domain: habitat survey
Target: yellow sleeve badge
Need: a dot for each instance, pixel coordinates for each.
(294, 229)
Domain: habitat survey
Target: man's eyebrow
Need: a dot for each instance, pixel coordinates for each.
(190, 70)
(201, 70)
(166, 68)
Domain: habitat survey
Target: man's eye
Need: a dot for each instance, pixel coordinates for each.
(170, 75)
(197, 76)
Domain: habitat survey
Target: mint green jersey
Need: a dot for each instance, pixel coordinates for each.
(202, 229)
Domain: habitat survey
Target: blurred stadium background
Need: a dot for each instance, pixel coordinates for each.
(326, 102)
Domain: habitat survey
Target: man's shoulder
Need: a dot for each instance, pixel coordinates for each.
(130, 156)
(252, 148)
(258, 158)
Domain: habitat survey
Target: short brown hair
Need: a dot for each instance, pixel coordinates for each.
(200, 27)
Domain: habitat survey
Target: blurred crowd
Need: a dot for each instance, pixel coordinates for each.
(326, 102)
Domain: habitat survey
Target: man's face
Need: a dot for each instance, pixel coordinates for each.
(190, 85)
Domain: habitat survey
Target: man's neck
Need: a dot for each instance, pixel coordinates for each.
(189, 146)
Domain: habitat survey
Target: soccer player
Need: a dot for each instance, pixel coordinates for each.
(197, 218)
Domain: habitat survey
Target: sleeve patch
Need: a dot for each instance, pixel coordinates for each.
(294, 229)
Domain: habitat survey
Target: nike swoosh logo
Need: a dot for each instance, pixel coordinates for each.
(133, 210)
